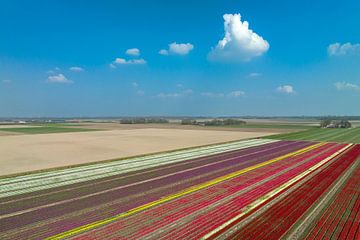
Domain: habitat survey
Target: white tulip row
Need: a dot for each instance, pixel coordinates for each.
(45, 180)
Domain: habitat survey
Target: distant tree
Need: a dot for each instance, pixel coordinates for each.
(143, 120)
(325, 123)
(189, 122)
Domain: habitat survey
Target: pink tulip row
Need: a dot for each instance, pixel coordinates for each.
(196, 214)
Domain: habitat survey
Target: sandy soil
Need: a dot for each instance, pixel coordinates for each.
(117, 126)
(41, 151)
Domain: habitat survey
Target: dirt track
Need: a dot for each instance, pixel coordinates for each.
(24, 153)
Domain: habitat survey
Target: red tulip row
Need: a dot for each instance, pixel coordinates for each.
(280, 217)
(224, 214)
(195, 214)
(341, 218)
(128, 192)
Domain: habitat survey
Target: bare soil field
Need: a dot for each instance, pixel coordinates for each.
(117, 126)
(22, 153)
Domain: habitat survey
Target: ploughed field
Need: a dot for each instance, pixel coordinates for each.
(252, 189)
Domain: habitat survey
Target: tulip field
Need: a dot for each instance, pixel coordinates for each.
(250, 189)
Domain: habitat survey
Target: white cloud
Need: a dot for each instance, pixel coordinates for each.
(180, 48)
(346, 86)
(53, 71)
(183, 93)
(133, 52)
(76, 69)
(60, 78)
(164, 52)
(239, 43)
(236, 94)
(177, 49)
(254, 75)
(123, 61)
(6, 81)
(336, 49)
(288, 89)
(168, 95)
(233, 94)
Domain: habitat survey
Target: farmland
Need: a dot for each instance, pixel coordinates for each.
(33, 152)
(349, 135)
(256, 189)
(43, 128)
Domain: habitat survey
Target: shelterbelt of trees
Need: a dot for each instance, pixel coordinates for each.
(214, 122)
(329, 123)
(143, 120)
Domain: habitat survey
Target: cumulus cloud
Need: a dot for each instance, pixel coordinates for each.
(123, 61)
(76, 69)
(346, 86)
(133, 52)
(233, 94)
(239, 43)
(287, 89)
(59, 78)
(337, 49)
(164, 52)
(177, 49)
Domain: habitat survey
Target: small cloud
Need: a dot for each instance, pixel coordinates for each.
(183, 93)
(135, 84)
(179, 85)
(76, 69)
(287, 89)
(181, 48)
(123, 61)
(6, 81)
(337, 49)
(177, 49)
(133, 52)
(346, 86)
(60, 78)
(239, 43)
(164, 52)
(236, 94)
(233, 94)
(53, 71)
(254, 75)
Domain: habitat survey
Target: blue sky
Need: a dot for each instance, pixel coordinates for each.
(70, 58)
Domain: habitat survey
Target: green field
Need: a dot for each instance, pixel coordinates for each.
(46, 129)
(350, 135)
(273, 126)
